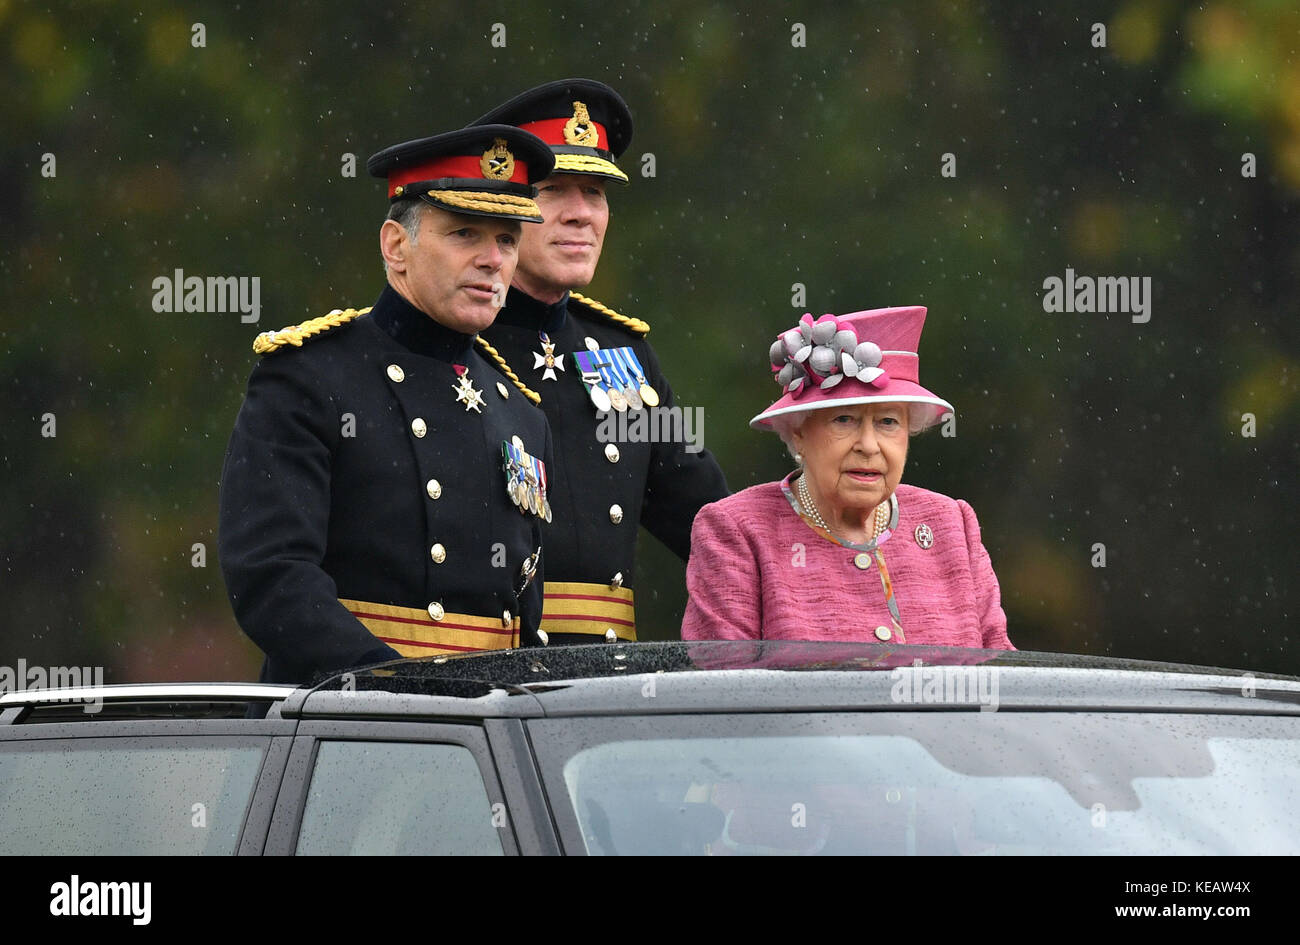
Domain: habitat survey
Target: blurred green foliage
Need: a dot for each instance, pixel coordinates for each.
(775, 165)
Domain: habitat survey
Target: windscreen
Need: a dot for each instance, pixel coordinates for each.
(925, 783)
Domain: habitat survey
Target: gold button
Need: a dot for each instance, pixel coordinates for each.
(501, 389)
(883, 633)
(436, 611)
(419, 427)
(438, 553)
(516, 442)
(543, 636)
(616, 513)
(611, 452)
(396, 374)
(610, 635)
(434, 488)
(616, 581)
(862, 560)
(398, 190)
(505, 618)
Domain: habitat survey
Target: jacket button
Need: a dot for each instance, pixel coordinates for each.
(434, 488)
(438, 553)
(419, 427)
(611, 452)
(862, 560)
(883, 634)
(616, 581)
(505, 618)
(436, 611)
(396, 374)
(616, 513)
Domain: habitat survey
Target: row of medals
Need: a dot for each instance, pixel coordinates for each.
(604, 394)
(621, 398)
(528, 498)
(525, 491)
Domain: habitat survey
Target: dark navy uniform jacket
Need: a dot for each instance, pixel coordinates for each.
(600, 495)
(364, 511)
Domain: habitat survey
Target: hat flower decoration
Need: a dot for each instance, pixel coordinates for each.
(824, 352)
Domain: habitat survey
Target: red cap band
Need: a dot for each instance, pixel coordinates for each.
(462, 165)
(551, 130)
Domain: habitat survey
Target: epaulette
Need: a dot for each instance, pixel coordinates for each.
(631, 324)
(271, 341)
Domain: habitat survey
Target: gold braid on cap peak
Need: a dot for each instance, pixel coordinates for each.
(487, 203)
(585, 164)
(271, 341)
(631, 324)
(532, 395)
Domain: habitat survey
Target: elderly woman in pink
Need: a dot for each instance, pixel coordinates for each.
(841, 549)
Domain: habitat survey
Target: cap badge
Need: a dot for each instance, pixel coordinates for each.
(497, 163)
(579, 130)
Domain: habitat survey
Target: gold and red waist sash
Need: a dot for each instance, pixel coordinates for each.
(594, 609)
(413, 632)
(569, 607)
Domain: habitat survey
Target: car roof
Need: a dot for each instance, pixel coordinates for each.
(720, 676)
(748, 676)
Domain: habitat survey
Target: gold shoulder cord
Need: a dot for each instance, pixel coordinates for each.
(492, 352)
(271, 341)
(631, 324)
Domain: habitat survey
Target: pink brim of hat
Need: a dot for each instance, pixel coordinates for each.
(851, 391)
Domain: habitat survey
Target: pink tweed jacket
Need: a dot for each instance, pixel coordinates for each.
(757, 571)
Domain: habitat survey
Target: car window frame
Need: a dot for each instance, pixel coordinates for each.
(291, 804)
(266, 785)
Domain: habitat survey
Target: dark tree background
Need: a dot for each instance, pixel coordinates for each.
(775, 163)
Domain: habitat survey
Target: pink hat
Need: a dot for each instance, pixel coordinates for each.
(862, 358)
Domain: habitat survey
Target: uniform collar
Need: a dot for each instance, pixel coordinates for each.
(524, 311)
(416, 331)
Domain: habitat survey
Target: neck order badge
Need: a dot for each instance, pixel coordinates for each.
(546, 358)
(466, 392)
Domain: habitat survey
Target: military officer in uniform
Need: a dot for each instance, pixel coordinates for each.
(583, 359)
(384, 489)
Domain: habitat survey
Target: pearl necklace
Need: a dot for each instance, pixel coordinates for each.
(880, 520)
